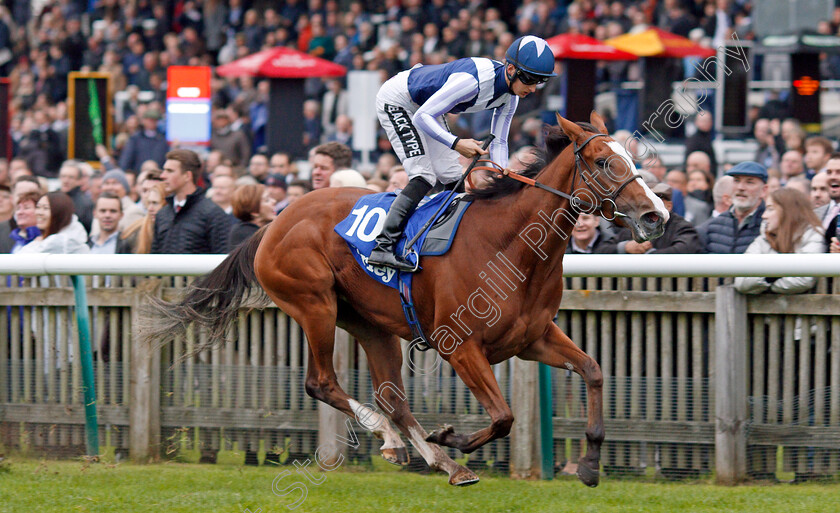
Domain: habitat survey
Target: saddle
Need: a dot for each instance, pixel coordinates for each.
(361, 227)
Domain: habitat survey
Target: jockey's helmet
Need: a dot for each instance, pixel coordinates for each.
(532, 58)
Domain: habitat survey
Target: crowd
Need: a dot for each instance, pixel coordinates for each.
(137, 40)
(148, 195)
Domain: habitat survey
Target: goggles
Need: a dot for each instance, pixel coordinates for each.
(528, 79)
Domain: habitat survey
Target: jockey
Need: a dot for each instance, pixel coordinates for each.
(411, 107)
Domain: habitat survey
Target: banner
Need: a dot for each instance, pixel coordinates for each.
(89, 110)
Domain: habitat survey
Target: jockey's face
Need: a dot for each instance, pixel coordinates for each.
(517, 87)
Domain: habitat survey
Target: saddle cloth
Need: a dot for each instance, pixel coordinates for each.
(365, 222)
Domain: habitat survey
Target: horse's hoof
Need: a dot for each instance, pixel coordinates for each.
(588, 475)
(396, 455)
(438, 436)
(463, 477)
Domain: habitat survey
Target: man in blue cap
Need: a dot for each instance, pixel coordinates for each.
(733, 231)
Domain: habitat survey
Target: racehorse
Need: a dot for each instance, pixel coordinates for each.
(309, 272)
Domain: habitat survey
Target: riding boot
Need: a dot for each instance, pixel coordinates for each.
(386, 242)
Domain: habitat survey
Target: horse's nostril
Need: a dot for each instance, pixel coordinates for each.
(651, 218)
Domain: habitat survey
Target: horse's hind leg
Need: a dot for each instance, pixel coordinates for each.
(556, 349)
(385, 361)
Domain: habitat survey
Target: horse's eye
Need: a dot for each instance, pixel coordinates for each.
(601, 162)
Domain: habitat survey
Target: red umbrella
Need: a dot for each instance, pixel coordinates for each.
(281, 62)
(579, 46)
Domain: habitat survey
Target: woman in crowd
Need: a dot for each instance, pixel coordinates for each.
(790, 226)
(700, 185)
(61, 231)
(254, 208)
(141, 232)
(26, 230)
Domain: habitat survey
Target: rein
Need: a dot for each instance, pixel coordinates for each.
(576, 202)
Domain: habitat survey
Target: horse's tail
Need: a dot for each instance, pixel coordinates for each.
(211, 302)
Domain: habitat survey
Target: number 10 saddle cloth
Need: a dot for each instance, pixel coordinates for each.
(365, 222)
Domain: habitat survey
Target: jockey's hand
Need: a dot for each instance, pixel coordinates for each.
(469, 148)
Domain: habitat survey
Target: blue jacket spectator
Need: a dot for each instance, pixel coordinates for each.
(147, 144)
(734, 230)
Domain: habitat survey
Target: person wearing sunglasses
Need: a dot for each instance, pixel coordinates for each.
(412, 107)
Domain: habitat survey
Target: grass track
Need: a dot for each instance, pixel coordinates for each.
(70, 486)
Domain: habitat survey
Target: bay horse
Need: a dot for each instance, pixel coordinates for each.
(309, 272)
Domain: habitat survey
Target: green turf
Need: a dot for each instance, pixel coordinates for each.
(72, 486)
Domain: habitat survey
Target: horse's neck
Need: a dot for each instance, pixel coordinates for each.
(544, 223)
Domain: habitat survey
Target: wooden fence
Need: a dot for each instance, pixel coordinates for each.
(655, 339)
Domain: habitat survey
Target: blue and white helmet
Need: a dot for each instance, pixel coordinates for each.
(531, 54)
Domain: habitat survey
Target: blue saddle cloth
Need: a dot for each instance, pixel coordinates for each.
(365, 222)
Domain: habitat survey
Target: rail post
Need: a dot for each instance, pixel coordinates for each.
(730, 385)
(86, 355)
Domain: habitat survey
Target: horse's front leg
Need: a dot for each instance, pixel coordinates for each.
(472, 367)
(556, 349)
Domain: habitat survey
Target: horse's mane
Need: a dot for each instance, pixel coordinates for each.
(555, 142)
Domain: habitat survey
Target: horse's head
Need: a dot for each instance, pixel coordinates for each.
(609, 184)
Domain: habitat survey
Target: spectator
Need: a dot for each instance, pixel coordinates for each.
(258, 167)
(145, 182)
(61, 231)
(696, 211)
(801, 184)
(253, 208)
(190, 222)
(702, 140)
(398, 180)
(232, 143)
(657, 168)
(24, 184)
(700, 185)
(146, 144)
(108, 212)
(222, 192)
(115, 182)
(791, 165)
(768, 153)
(679, 236)
(7, 209)
(335, 103)
(311, 124)
(281, 163)
(40, 146)
(70, 177)
(343, 131)
(326, 160)
(817, 152)
(790, 226)
(832, 174)
(139, 234)
(819, 194)
(296, 190)
(275, 186)
(586, 236)
(734, 230)
(26, 230)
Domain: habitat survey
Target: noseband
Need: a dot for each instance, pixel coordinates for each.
(576, 202)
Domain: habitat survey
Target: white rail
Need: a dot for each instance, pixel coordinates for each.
(574, 265)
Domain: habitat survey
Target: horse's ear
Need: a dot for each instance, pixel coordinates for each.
(598, 122)
(571, 130)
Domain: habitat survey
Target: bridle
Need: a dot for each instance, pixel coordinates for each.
(577, 203)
